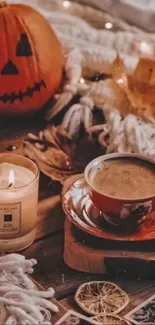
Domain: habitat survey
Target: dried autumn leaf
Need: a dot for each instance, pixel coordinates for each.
(139, 86)
(110, 92)
(118, 68)
(101, 297)
(57, 155)
(59, 138)
(47, 161)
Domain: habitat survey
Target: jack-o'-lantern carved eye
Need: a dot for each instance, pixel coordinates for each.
(24, 46)
(9, 69)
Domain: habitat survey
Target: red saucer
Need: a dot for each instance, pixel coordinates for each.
(81, 211)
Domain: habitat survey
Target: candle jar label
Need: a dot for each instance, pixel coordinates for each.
(10, 219)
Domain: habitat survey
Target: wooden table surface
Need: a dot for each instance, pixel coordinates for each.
(48, 247)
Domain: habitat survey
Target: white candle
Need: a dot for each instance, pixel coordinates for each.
(14, 175)
(18, 202)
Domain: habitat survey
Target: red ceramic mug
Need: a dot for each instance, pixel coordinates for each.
(118, 211)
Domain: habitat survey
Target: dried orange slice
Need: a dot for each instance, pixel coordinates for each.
(101, 297)
(110, 320)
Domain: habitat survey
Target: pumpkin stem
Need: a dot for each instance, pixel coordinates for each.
(2, 3)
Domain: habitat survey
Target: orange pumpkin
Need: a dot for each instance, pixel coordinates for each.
(31, 61)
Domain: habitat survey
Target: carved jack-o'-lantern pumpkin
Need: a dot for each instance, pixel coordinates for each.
(31, 62)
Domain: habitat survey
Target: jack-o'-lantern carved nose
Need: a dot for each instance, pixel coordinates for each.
(10, 69)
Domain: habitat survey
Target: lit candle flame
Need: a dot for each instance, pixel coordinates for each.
(11, 177)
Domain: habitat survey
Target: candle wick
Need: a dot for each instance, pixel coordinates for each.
(10, 185)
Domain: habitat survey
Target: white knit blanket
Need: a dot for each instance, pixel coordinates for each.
(98, 47)
(138, 12)
(98, 50)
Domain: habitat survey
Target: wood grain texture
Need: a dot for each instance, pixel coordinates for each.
(137, 291)
(86, 259)
(50, 217)
(99, 256)
(51, 269)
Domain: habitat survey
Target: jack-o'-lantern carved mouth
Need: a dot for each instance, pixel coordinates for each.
(29, 92)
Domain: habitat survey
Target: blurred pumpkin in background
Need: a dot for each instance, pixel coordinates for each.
(31, 61)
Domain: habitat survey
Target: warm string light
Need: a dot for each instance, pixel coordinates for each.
(145, 48)
(108, 25)
(120, 81)
(96, 79)
(66, 4)
(82, 81)
(69, 164)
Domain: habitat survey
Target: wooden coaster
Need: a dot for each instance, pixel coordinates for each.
(79, 256)
(85, 253)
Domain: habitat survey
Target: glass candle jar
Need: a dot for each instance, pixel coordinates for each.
(19, 180)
